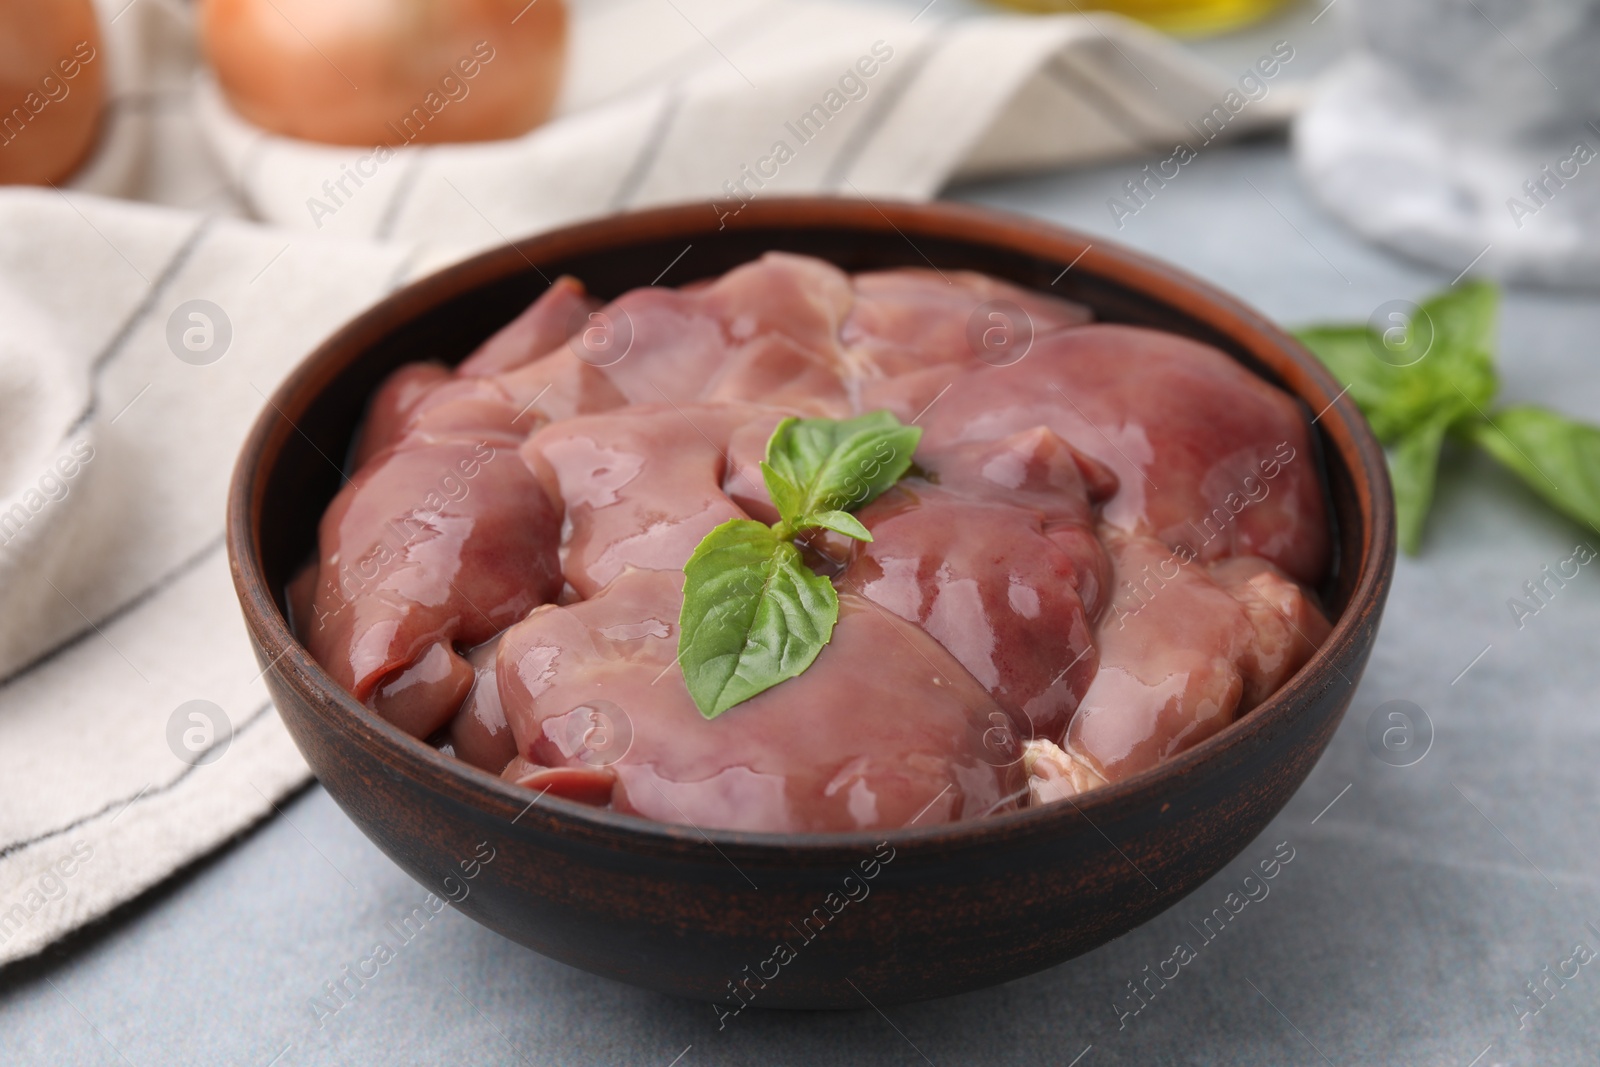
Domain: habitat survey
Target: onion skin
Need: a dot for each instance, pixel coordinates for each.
(353, 72)
(52, 88)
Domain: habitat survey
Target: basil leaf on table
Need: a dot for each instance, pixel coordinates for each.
(1442, 356)
(1413, 470)
(754, 614)
(1418, 380)
(1375, 386)
(1558, 457)
(1463, 321)
(1464, 318)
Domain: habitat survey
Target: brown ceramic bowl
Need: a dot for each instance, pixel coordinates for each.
(687, 912)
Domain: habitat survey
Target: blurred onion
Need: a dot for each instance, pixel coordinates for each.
(370, 72)
(52, 88)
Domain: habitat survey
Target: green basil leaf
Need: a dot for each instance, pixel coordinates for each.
(1347, 352)
(1463, 323)
(838, 521)
(1463, 318)
(1453, 338)
(836, 465)
(1558, 457)
(1394, 399)
(1413, 469)
(753, 615)
(1424, 376)
(786, 496)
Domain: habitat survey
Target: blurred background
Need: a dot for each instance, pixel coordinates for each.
(194, 194)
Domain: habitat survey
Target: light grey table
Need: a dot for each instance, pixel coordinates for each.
(1418, 903)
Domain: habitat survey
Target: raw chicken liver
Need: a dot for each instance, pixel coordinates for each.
(1101, 556)
(883, 726)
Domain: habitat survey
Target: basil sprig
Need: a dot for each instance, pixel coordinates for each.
(1433, 378)
(754, 614)
(1558, 457)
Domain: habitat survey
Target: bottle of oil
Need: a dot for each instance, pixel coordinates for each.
(1183, 17)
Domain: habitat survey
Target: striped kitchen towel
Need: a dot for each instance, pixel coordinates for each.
(120, 415)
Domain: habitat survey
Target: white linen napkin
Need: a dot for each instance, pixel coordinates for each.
(121, 411)
(116, 607)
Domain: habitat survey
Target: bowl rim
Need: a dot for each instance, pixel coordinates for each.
(1343, 427)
